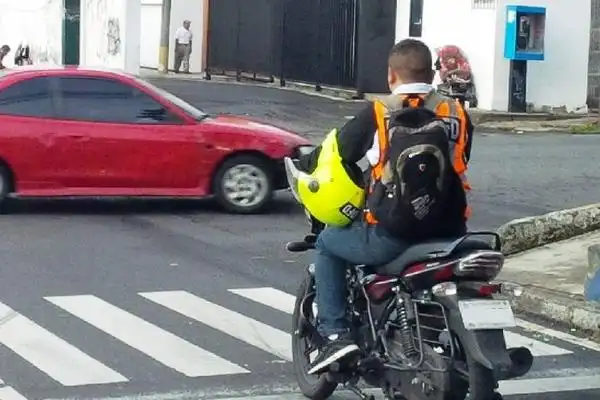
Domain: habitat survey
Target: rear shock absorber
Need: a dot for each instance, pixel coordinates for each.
(406, 335)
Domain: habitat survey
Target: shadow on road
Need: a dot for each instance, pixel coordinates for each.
(280, 206)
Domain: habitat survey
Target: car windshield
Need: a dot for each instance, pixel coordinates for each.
(184, 105)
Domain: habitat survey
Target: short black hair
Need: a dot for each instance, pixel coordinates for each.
(5, 47)
(411, 59)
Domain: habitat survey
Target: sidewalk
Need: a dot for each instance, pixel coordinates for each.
(553, 276)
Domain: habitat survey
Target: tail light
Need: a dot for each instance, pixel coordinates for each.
(484, 265)
(487, 289)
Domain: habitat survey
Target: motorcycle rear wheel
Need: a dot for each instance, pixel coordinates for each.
(315, 388)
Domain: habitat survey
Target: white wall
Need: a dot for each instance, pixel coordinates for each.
(560, 80)
(110, 34)
(181, 10)
(37, 22)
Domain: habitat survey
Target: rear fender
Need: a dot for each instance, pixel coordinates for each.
(486, 347)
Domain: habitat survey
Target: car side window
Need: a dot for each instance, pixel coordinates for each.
(28, 98)
(107, 100)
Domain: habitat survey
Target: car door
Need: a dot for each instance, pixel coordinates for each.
(123, 141)
(27, 132)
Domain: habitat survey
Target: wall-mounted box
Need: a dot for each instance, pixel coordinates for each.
(524, 33)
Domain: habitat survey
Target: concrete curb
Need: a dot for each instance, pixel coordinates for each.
(530, 232)
(569, 310)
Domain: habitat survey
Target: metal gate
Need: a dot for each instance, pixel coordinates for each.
(312, 41)
(319, 41)
(242, 36)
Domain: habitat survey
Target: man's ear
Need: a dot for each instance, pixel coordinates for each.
(392, 77)
(431, 75)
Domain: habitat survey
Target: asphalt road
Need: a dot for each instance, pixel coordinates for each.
(512, 175)
(145, 300)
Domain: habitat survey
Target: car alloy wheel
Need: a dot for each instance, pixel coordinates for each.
(243, 184)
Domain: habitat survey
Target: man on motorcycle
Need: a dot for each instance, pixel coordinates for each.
(368, 240)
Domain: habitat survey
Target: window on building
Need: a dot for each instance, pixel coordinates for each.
(108, 100)
(483, 4)
(415, 27)
(28, 98)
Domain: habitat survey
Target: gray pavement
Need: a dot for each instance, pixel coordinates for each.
(124, 299)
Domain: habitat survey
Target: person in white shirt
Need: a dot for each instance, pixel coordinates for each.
(183, 47)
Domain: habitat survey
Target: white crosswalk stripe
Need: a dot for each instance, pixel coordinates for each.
(157, 343)
(58, 359)
(235, 324)
(68, 365)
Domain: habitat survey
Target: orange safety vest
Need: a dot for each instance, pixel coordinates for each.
(452, 112)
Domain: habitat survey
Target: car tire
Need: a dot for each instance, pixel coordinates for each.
(258, 178)
(5, 187)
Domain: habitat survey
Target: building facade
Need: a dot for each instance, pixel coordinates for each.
(560, 81)
(126, 34)
(594, 58)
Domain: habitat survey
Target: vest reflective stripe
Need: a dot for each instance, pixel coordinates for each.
(380, 114)
(444, 109)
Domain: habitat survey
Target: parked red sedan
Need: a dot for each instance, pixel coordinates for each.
(69, 131)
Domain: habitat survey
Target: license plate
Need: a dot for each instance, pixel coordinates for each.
(487, 314)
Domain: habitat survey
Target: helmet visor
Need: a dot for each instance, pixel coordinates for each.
(292, 173)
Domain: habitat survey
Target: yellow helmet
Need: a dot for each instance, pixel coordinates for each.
(330, 194)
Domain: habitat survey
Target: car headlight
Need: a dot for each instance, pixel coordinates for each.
(304, 150)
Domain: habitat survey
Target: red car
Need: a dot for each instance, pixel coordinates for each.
(70, 131)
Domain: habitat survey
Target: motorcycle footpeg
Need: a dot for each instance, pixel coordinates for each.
(371, 363)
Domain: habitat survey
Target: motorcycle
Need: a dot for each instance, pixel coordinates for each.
(460, 89)
(456, 78)
(430, 324)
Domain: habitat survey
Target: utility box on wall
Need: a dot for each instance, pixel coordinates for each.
(524, 33)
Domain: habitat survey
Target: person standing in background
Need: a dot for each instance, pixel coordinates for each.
(183, 47)
(4, 50)
(23, 55)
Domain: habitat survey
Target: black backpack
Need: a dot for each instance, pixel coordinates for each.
(418, 185)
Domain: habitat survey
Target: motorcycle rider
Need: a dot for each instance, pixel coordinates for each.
(365, 241)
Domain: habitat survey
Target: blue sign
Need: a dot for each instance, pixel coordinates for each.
(524, 33)
(591, 290)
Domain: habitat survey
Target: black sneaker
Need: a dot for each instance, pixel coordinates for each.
(335, 349)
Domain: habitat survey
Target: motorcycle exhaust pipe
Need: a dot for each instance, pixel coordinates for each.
(522, 361)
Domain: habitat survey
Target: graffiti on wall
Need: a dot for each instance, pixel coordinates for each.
(103, 28)
(113, 36)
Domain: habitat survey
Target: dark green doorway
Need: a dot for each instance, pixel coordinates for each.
(71, 32)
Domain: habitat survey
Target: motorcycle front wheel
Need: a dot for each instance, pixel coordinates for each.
(311, 386)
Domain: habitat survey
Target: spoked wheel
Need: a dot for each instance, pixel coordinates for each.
(304, 350)
(432, 383)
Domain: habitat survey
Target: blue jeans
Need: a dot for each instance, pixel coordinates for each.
(338, 249)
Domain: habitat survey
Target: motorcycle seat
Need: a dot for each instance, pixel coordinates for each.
(429, 251)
